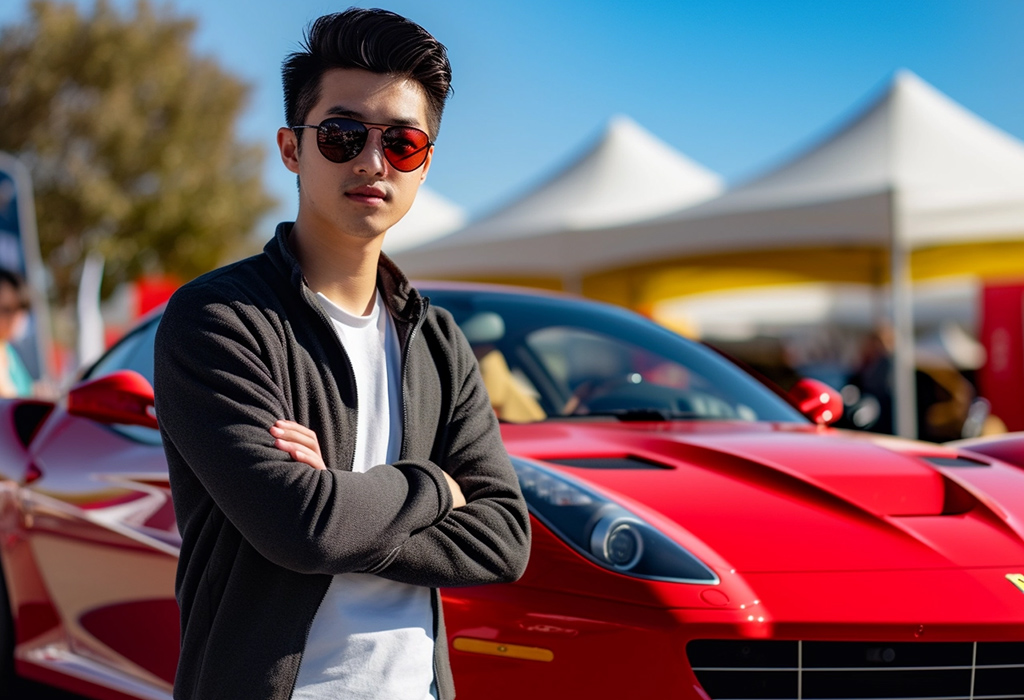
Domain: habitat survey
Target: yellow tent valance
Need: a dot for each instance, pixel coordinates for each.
(641, 286)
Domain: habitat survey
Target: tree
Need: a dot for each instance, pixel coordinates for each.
(130, 138)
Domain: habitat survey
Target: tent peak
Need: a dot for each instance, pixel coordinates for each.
(622, 123)
(908, 137)
(905, 76)
(597, 189)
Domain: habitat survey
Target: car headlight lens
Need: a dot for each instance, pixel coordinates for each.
(603, 531)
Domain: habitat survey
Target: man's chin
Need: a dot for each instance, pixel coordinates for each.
(368, 228)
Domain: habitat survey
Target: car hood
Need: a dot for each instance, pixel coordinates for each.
(789, 498)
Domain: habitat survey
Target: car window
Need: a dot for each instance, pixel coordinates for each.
(553, 358)
(135, 352)
(603, 373)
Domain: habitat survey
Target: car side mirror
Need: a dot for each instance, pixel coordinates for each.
(124, 397)
(817, 400)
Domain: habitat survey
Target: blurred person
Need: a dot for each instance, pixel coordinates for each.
(873, 380)
(331, 447)
(947, 402)
(14, 307)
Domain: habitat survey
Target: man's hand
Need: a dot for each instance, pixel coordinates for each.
(302, 444)
(298, 441)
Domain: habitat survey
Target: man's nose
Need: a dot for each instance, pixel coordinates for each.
(371, 159)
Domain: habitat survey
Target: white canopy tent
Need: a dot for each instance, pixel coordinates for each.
(431, 216)
(955, 178)
(628, 175)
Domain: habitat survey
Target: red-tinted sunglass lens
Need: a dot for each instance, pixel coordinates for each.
(340, 140)
(405, 147)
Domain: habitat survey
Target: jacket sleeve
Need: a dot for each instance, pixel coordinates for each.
(488, 539)
(216, 400)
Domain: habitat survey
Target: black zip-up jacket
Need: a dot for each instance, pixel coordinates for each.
(248, 344)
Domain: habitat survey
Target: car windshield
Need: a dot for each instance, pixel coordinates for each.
(551, 358)
(546, 358)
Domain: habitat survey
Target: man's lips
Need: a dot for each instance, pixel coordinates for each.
(367, 194)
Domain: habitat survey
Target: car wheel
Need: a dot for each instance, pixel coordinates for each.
(6, 642)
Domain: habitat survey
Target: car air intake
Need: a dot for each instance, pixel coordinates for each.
(954, 462)
(784, 670)
(609, 463)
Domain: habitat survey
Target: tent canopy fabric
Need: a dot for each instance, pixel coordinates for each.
(598, 189)
(913, 158)
(912, 163)
(912, 138)
(431, 216)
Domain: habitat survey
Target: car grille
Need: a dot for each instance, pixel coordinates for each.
(783, 670)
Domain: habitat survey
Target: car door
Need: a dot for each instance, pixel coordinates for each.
(100, 527)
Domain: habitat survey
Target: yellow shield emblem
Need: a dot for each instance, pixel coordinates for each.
(1017, 580)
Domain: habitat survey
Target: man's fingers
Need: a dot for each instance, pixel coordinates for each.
(293, 432)
(298, 438)
(301, 454)
(297, 427)
(298, 441)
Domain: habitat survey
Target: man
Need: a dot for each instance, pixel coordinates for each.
(332, 451)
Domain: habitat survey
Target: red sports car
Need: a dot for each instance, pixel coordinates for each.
(696, 535)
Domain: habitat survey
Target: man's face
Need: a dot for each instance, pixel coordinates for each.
(365, 196)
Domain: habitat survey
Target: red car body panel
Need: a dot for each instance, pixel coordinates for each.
(814, 534)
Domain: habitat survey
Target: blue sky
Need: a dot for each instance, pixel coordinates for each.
(735, 85)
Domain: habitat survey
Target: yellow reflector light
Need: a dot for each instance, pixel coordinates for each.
(511, 651)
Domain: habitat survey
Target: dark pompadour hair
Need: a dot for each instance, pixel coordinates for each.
(375, 40)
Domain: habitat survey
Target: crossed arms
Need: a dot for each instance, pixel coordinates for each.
(302, 444)
(220, 387)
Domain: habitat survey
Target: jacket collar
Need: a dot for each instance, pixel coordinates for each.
(399, 295)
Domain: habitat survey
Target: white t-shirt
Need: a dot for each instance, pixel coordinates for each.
(371, 637)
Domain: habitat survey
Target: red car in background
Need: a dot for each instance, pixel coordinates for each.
(696, 536)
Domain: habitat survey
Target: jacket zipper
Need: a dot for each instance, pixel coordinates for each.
(435, 594)
(421, 315)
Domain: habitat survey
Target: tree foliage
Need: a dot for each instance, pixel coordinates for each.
(130, 138)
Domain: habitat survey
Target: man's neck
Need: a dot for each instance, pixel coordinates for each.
(343, 268)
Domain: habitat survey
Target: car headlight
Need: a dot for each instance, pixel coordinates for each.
(603, 531)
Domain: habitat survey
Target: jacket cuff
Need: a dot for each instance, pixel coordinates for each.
(436, 475)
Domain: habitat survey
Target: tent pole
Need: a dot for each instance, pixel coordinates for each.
(904, 382)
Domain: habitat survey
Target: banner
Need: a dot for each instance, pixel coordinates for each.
(1001, 380)
(19, 251)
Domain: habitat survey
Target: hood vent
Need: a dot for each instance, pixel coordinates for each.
(954, 462)
(628, 462)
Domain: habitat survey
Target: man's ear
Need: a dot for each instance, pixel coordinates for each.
(426, 164)
(288, 144)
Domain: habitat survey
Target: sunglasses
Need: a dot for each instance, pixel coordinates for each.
(341, 139)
